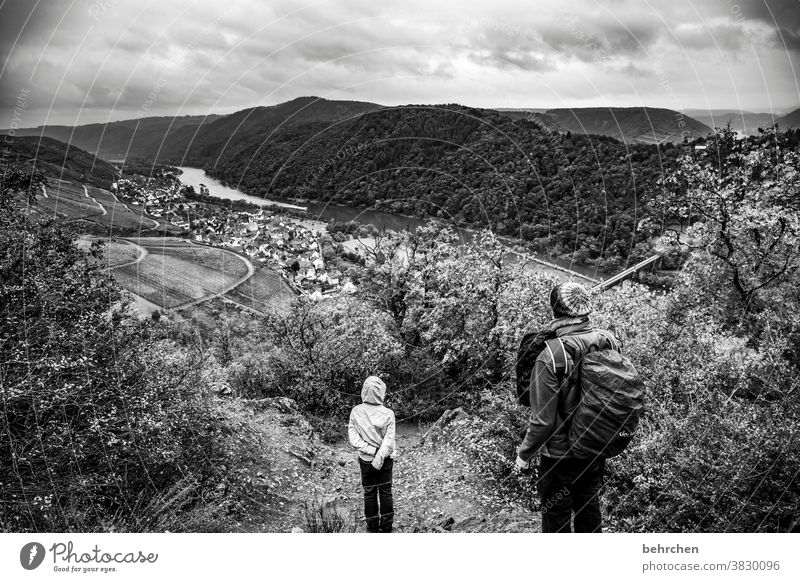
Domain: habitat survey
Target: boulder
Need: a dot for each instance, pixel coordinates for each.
(434, 433)
(279, 403)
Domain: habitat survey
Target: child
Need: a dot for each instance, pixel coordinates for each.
(371, 432)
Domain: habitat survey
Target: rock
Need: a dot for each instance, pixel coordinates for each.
(279, 403)
(449, 417)
(297, 530)
(447, 524)
(342, 462)
(284, 404)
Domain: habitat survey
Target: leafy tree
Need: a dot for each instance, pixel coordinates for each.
(743, 201)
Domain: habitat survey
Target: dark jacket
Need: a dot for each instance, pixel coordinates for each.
(550, 405)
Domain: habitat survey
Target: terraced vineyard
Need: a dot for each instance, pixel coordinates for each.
(265, 292)
(162, 272)
(118, 253)
(119, 217)
(67, 200)
(177, 273)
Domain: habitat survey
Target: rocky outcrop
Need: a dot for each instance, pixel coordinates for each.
(448, 418)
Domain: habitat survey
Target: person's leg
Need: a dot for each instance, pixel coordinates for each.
(369, 481)
(586, 496)
(385, 494)
(556, 496)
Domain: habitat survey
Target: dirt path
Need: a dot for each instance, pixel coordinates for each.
(102, 208)
(142, 254)
(436, 486)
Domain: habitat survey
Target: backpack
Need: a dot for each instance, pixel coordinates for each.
(611, 401)
(530, 346)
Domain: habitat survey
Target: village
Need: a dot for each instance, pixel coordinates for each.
(295, 247)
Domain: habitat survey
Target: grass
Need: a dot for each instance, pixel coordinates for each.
(322, 517)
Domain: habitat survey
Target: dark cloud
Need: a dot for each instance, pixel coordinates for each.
(726, 36)
(782, 15)
(102, 59)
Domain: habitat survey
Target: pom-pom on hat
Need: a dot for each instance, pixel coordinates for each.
(570, 300)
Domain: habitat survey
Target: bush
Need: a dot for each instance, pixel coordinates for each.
(716, 448)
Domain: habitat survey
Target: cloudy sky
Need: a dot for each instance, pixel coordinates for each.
(83, 61)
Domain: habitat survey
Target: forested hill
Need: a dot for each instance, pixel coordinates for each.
(631, 124)
(57, 159)
(790, 120)
(230, 134)
(141, 137)
(566, 193)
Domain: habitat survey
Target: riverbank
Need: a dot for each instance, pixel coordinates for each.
(320, 214)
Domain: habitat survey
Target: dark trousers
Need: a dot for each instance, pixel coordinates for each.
(570, 485)
(378, 502)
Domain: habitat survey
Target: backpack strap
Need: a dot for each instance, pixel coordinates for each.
(558, 356)
(615, 344)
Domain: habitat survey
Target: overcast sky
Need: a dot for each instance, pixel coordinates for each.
(83, 61)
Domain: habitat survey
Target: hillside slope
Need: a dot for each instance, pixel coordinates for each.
(57, 159)
(746, 122)
(116, 140)
(437, 485)
(790, 120)
(250, 127)
(630, 124)
(471, 166)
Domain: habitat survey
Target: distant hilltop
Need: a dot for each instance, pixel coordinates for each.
(57, 159)
(195, 139)
(746, 122)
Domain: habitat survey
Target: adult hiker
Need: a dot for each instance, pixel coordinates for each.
(585, 400)
(371, 431)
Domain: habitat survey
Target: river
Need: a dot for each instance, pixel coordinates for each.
(382, 220)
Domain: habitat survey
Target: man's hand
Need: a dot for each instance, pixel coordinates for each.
(520, 465)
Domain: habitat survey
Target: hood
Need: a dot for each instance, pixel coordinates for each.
(373, 391)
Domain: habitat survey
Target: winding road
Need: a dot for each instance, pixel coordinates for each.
(143, 252)
(102, 208)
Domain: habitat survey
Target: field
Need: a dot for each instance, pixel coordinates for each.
(119, 252)
(265, 292)
(176, 273)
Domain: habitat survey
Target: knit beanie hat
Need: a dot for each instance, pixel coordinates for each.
(570, 300)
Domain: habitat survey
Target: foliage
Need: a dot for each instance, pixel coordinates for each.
(569, 194)
(743, 199)
(106, 423)
(717, 449)
(458, 310)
